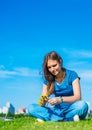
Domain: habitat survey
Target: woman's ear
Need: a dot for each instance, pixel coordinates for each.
(61, 63)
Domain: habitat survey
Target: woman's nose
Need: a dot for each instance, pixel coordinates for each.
(52, 68)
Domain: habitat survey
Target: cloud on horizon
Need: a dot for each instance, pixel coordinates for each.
(27, 72)
(78, 53)
(86, 75)
(22, 71)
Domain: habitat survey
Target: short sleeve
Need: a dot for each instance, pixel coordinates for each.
(72, 76)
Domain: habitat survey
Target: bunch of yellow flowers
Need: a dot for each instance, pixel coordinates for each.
(43, 99)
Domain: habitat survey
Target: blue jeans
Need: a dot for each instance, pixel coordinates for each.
(64, 111)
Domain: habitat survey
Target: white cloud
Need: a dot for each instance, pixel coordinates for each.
(22, 71)
(79, 61)
(78, 53)
(26, 72)
(86, 54)
(77, 64)
(6, 73)
(86, 74)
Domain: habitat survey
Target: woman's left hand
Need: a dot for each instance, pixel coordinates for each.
(54, 101)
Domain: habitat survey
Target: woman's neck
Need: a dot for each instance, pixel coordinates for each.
(60, 77)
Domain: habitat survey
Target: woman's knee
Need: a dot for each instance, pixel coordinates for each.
(80, 105)
(31, 108)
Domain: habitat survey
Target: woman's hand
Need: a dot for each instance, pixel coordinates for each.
(54, 101)
(43, 99)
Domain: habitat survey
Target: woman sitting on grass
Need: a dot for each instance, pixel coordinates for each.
(61, 95)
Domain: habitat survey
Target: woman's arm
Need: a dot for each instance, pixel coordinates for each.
(48, 89)
(70, 99)
(45, 89)
(76, 91)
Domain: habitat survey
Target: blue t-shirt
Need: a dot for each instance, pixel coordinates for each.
(65, 87)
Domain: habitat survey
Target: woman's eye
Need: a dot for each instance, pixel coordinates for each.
(54, 65)
(49, 67)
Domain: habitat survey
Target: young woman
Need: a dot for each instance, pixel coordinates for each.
(61, 95)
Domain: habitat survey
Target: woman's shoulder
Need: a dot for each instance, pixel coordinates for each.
(70, 71)
(72, 74)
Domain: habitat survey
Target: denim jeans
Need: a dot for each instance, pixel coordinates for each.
(59, 112)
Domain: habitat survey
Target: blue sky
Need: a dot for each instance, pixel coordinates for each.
(31, 28)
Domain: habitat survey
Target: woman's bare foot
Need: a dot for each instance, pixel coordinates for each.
(21, 110)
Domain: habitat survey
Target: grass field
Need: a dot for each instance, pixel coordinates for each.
(29, 123)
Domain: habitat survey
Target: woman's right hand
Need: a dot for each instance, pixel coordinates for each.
(43, 99)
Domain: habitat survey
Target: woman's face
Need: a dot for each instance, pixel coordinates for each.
(54, 67)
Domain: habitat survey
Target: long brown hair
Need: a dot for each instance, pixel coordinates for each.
(50, 56)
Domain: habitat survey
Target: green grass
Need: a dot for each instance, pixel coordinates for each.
(29, 123)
